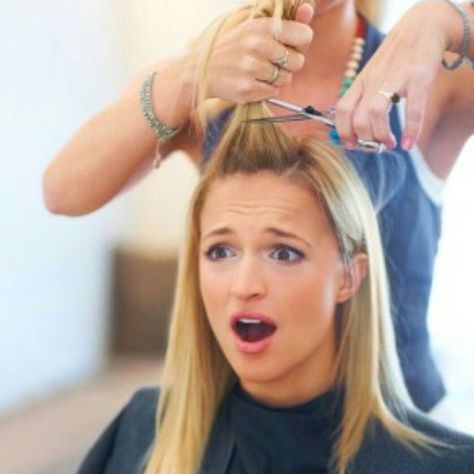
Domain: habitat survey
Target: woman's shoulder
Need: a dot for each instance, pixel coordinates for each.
(123, 445)
(457, 456)
(423, 423)
(143, 398)
(383, 453)
(137, 423)
(138, 416)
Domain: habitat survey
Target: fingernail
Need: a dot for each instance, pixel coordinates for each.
(407, 143)
(391, 144)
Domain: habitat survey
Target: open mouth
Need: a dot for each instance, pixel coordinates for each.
(253, 329)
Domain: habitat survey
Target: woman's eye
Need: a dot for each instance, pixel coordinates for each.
(286, 254)
(219, 252)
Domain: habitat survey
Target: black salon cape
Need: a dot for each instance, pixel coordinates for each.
(290, 439)
(122, 448)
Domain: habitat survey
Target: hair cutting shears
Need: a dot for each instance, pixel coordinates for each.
(311, 113)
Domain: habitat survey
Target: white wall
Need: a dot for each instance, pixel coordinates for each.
(59, 63)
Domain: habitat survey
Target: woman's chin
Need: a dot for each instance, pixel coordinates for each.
(256, 374)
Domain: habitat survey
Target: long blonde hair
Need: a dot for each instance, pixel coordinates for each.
(197, 376)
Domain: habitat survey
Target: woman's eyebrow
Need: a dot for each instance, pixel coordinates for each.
(221, 231)
(283, 233)
(218, 232)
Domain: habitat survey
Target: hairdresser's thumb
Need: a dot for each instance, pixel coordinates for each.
(305, 13)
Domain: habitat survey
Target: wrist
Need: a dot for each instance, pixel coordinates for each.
(448, 23)
(469, 9)
(452, 23)
(173, 92)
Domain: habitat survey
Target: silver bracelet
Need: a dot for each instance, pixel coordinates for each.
(163, 132)
(466, 40)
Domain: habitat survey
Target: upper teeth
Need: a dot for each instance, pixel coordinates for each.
(250, 321)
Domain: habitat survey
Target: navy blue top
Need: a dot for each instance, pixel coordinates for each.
(410, 227)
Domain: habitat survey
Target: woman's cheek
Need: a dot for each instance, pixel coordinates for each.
(212, 282)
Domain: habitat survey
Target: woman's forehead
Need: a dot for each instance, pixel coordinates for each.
(261, 200)
(260, 191)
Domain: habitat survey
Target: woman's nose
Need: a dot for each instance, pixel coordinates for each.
(248, 281)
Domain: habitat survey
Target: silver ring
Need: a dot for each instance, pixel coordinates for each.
(282, 61)
(393, 97)
(275, 74)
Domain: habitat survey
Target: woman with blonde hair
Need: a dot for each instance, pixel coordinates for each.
(281, 355)
(266, 49)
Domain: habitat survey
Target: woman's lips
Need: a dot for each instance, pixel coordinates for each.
(253, 331)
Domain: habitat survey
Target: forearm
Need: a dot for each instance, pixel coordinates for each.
(108, 149)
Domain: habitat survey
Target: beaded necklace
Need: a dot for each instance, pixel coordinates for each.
(352, 68)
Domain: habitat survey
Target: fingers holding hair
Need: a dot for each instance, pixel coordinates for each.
(244, 59)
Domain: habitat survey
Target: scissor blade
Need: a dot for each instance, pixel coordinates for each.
(316, 115)
(286, 105)
(304, 113)
(279, 119)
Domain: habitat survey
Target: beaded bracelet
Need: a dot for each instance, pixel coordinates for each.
(163, 132)
(466, 40)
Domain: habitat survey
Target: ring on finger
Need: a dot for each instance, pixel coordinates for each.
(274, 76)
(393, 97)
(282, 61)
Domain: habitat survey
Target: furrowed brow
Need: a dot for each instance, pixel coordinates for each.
(282, 233)
(225, 231)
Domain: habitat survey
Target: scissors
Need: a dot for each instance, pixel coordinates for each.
(310, 113)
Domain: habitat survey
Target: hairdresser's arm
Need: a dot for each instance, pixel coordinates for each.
(439, 102)
(116, 146)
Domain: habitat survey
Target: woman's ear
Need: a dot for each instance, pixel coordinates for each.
(353, 275)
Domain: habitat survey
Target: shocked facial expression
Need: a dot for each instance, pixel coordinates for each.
(271, 277)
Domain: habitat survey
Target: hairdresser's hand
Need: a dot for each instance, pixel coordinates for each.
(243, 59)
(406, 63)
